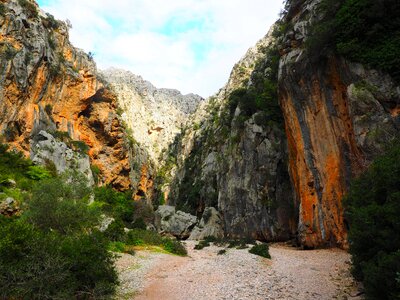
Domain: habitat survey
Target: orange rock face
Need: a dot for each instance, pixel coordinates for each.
(146, 183)
(323, 154)
(47, 84)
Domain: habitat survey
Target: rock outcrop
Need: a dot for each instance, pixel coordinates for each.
(338, 116)
(46, 147)
(176, 223)
(210, 225)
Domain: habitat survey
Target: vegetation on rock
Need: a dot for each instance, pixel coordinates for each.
(364, 31)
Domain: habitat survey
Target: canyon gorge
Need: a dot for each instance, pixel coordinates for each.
(273, 151)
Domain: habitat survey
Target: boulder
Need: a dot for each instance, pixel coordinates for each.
(211, 224)
(177, 223)
(9, 207)
(105, 222)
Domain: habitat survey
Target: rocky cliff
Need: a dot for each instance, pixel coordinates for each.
(233, 156)
(338, 117)
(154, 116)
(48, 85)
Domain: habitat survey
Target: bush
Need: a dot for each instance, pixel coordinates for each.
(221, 252)
(91, 265)
(174, 246)
(117, 247)
(96, 172)
(61, 204)
(372, 208)
(118, 205)
(144, 237)
(80, 146)
(38, 173)
(14, 166)
(51, 22)
(202, 245)
(48, 109)
(31, 265)
(46, 265)
(115, 231)
(261, 250)
(29, 7)
(139, 237)
(2, 9)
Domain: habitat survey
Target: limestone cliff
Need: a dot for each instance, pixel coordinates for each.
(234, 156)
(154, 116)
(338, 116)
(47, 84)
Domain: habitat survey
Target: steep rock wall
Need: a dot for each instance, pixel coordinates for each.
(47, 84)
(338, 117)
(154, 116)
(234, 158)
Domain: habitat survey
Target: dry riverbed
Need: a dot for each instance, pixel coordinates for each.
(290, 274)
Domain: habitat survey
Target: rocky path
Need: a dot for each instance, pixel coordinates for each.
(290, 274)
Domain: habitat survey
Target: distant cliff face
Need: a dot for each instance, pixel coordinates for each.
(338, 116)
(233, 155)
(154, 116)
(47, 84)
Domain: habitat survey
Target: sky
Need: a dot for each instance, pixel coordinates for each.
(189, 45)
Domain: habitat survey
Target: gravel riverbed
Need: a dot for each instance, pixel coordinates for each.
(290, 274)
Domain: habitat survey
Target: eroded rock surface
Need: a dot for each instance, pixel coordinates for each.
(154, 116)
(338, 116)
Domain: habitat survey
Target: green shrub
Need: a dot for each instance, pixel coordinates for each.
(61, 204)
(38, 173)
(116, 247)
(29, 7)
(139, 237)
(48, 109)
(51, 22)
(221, 252)
(2, 9)
(80, 146)
(144, 237)
(116, 204)
(115, 231)
(372, 208)
(139, 224)
(45, 265)
(96, 172)
(31, 265)
(14, 166)
(202, 245)
(261, 250)
(91, 265)
(174, 246)
(62, 136)
(142, 212)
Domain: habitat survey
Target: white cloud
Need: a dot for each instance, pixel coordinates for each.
(190, 45)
